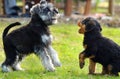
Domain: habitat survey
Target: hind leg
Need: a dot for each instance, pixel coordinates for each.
(113, 69)
(5, 67)
(92, 65)
(105, 70)
(7, 64)
(16, 65)
(54, 56)
(11, 57)
(9, 54)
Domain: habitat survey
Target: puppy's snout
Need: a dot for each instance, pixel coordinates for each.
(79, 24)
(53, 18)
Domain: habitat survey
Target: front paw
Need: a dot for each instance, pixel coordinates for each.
(81, 64)
(51, 69)
(57, 64)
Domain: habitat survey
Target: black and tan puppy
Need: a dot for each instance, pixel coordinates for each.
(98, 49)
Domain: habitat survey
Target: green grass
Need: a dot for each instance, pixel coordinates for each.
(68, 44)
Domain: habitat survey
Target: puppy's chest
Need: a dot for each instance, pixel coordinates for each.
(85, 45)
(46, 39)
(88, 43)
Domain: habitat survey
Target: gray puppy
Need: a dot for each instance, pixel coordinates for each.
(35, 37)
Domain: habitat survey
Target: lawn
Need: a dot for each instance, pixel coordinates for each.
(68, 44)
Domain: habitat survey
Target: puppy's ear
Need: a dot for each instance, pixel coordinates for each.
(90, 25)
(35, 9)
(98, 25)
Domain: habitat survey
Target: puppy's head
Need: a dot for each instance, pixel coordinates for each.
(46, 11)
(89, 24)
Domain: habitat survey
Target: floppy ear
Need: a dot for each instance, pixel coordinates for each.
(35, 9)
(100, 29)
(90, 25)
(99, 26)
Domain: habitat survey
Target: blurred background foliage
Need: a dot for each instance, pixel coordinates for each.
(97, 5)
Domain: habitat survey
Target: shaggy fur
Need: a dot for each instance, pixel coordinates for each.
(98, 48)
(35, 38)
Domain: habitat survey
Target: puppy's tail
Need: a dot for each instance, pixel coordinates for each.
(8, 28)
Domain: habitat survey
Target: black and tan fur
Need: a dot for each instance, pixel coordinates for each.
(98, 49)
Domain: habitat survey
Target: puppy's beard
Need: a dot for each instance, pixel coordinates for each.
(54, 21)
